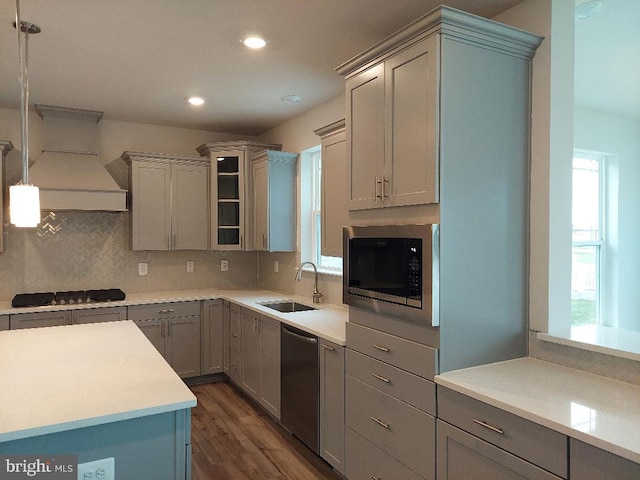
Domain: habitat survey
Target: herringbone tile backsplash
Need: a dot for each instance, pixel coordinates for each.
(89, 250)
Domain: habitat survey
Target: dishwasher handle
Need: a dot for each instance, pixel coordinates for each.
(302, 338)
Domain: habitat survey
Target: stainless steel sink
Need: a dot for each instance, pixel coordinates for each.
(287, 306)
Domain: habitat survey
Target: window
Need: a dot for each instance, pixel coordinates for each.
(311, 213)
(587, 238)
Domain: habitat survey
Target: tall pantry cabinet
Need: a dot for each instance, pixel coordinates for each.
(437, 119)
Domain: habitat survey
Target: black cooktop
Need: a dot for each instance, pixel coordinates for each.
(74, 297)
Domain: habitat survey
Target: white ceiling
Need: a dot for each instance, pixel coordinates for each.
(136, 60)
(607, 73)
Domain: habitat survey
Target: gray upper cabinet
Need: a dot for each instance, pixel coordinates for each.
(169, 201)
(5, 147)
(391, 130)
(273, 175)
(231, 193)
(335, 207)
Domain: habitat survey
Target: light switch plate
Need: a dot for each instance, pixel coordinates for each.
(224, 265)
(143, 268)
(190, 265)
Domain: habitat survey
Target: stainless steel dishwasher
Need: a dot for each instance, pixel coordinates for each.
(300, 385)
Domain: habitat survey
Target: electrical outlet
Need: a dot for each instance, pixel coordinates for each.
(143, 268)
(103, 469)
(224, 265)
(275, 266)
(190, 265)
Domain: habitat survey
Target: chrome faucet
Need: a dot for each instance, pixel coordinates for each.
(316, 294)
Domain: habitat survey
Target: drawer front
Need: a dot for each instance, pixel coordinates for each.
(95, 315)
(235, 333)
(535, 443)
(402, 431)
(164, 310)
(235, 366)
(402, 353)
(365, 461)
(40, 319)
(406, 386)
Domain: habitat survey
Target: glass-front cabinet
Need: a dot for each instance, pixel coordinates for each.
(231, 191)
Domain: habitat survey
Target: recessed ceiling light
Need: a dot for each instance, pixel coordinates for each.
(254, 41)
(291, 99)
(195, 100)
(587, 8)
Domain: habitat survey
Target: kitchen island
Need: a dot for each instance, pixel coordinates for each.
(96, 391)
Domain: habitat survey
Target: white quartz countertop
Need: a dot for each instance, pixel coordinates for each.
(327, 322)
(61, 378)
(594, 409)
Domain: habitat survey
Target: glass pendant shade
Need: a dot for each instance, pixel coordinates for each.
(24, 202)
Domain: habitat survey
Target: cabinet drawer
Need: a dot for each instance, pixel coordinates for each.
(406, 386)
(535, 443)
(366, 461)
(95, 315)
(164, 310)
(402, 431)
(39, 319)
(402, 353)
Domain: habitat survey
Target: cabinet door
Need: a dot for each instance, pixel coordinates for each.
(212, 334)
(251, 353)
(260, 179)
(332, 421)
(190, 207)
(335, 213)
(270, 378)
(95, 315)
(151, 204)
(183, 345)
(365, 138)
(4, 322)
(460, 453)
(154, 330)
(411, 146)
(228, 200)
(40, 319)
(225, 337)
(591, 463)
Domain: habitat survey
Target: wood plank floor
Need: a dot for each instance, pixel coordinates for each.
(232, 439)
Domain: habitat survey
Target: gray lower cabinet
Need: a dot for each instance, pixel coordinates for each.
(475, 436)
(390, 406)
(212, 337)
(260, 353)
(174, 329)
(462, 456)
(95, 315)
(591, 463)
(332, 413)
(40, 319)
(4, 322)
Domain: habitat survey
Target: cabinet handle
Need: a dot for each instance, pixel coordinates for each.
(264, 241)
(166, 310)
(328, 347)
(380, 422)
(373, 477)
(381, 348)
(234, 335)
(168, 330)
(490, 427)
(384, 182)
(378, 183)
(385, 380)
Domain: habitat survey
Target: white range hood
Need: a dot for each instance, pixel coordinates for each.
(69, 176)
(75, 181)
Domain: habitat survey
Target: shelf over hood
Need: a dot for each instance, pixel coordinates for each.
(75, 181)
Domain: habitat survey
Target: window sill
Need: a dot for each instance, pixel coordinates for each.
(323, 271)
(596, 338)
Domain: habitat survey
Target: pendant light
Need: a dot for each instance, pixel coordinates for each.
(24, 199)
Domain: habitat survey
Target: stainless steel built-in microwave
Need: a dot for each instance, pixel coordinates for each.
(393, 270)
